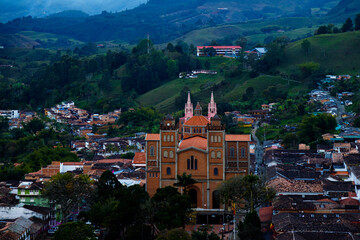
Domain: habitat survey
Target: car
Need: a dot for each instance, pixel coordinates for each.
(97, 232)
(52, 230)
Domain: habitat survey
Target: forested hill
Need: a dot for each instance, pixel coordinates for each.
(164, 20)
(344, 9)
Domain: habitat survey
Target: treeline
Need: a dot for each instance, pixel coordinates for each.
(99, 83)
(349, 25)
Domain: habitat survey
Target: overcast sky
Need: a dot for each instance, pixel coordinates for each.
(10, 9)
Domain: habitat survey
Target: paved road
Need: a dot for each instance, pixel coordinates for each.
(258, 149)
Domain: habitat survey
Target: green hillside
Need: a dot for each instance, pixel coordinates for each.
(337, 53)
(226, 89)
(292, 27)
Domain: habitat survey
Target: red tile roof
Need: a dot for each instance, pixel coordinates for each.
(197, 121)
(113, 161)
(265, 214)
(73, 163)
(197, 142)
(237, 137)
(350, 202)
(139, 158)
(152, 137)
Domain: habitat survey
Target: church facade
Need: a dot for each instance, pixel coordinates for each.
(197, 145)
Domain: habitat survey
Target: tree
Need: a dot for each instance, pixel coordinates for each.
(184, 181)
(249, 190)
(75, 231)
(171, 208)
(308, 68)
(250, 228)
(4, 124)
(312, 127)
(68, 191)
(305, 46)
(34, 126)
(347, 26)
(94, 128)
(321, 30)
(108, 186)
(357, 122)
(203, 233)
(174, 234)
(357, 22)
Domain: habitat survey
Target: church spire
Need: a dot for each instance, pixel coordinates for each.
(189, 109)
(198, 110)
(212, 110)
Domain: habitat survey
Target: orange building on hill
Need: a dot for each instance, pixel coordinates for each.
(199, 147)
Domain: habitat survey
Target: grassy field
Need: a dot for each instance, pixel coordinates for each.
(293, 27)
(335, 52)
(225, 89)
(48, 36)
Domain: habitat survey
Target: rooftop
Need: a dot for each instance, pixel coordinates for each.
(152, 137)
(197, 121)
(238, 137)
(196, 142)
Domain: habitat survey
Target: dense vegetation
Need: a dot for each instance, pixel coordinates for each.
(30, 148)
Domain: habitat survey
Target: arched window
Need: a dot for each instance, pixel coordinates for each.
(218, 154)
(212, 138)
(168, 171)
(168, 138)
(216, 199)
(152, 151)
(192, 163)
(215, 139)
(200, 130)
(216, 171)
(165, 154)
(232, 152)
(219, 139)
(243, 153)
(172, 138)
(213, 154)
(171, 154)
(164, 138)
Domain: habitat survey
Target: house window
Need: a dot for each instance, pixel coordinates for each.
(218, 154)
(216, 172)
(168, 171)
(219, 139)
(172, 138)
(200, 130)
(165, 154)
(195, 164)
(213, 154)
(168, 138)
(171, 154)
(188, 164)
(152, 151)
(243, 152)
(232, 152)
(164, 138)
(212, 138)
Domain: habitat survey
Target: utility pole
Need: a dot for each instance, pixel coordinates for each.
(148, 43)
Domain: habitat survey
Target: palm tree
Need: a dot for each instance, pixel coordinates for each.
(184, 181)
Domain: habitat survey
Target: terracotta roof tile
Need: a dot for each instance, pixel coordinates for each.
(73, 163)
(237, 137)
(139, 158)
(152, 137)
(113, 161)
(197, 121)
(197, 142)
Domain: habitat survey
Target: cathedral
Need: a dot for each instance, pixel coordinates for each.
(197, 145)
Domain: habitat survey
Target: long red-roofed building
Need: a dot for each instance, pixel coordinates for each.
(220, 50)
